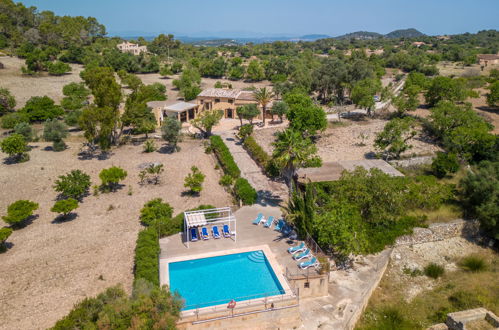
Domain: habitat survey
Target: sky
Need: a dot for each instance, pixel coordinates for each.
(236, 18)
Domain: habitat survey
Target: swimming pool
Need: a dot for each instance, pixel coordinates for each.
(217, 280)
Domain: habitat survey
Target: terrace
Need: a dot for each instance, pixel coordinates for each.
(248, 235)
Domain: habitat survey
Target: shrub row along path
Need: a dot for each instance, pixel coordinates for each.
(269, 192)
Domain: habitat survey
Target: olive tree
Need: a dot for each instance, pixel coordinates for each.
(55, 131)
(19, 211)
(16, 147)
(170, 132)
(74, 185)
(111, 177)
(65, 206)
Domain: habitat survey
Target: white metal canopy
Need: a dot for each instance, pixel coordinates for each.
(203, 218)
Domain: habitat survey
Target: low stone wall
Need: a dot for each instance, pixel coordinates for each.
(282, 315)
(440, 231)
(310, 287)
(415, 161)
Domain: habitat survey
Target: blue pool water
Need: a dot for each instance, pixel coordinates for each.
(218, 280)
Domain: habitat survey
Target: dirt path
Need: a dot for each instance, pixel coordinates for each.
(269, 192)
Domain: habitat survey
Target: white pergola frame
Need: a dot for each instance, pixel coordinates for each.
(204, 218)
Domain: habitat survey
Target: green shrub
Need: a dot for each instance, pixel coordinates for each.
(55, 131)
(445, 163)
(25, 130)
(19, 211)
(433, 270)
(72, 118)
(224, 157)
(16, 147)
(146, 256)
(474, 264)
(75, 184)
(40, 108)
(110, 178)
(149, 307)
(245, 131)
(257, 152)
(10, 120)
(194, 180)
(5, 232)
(149, 146)
(226, 181)
(245, 192)
(58, 68)
(65, 206)
(154, 210)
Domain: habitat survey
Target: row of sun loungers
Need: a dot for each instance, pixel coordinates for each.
(301, 252)
(279, 224)
(214, 230)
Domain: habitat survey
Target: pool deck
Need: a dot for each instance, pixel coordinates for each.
(248, 237)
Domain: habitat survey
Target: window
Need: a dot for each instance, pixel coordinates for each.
(231, 101)
(306, 285)
(217, 100)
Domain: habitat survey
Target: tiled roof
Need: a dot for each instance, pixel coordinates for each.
(220, 92)
(488, 57)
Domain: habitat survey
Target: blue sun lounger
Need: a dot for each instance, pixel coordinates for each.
(204, 233)
(226, 231)
(279, 225)
(302, 255)
(310, 263)
(297, 248)
(216, 233)
(194, 235)
(269, 222)
(259, 218)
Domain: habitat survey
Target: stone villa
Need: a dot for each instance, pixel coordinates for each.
(128, 47)
(488, 59)
(226, 100)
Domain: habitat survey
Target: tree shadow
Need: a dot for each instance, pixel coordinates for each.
(5, 247)
(494, 110)
(85, 155)
(63, 219)
(167, 149)
(371, 155)
(267, 198)
(189, 193)
(28, 221)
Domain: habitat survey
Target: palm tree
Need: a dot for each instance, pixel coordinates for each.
(263, 96)
(291, 151)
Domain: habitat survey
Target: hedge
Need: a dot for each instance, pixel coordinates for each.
(245, 192)
(261, 157)
(225, 157)
(146, 256)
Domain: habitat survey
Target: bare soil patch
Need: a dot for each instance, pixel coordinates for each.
(350, 140)
(51, 266)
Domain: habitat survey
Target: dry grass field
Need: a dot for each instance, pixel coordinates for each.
(50, 266)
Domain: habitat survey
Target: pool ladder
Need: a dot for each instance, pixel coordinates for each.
(257, 257)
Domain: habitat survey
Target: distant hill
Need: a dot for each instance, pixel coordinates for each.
(361, 35)
(314, 37)
(405, 33)
(365, 35)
